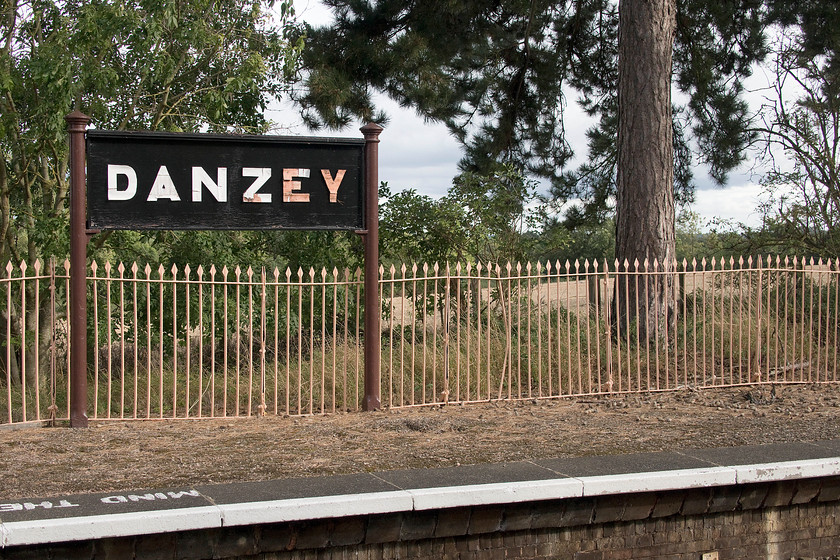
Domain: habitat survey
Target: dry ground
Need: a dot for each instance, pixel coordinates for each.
(111, 456)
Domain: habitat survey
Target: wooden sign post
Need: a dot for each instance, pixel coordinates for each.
(166, 181)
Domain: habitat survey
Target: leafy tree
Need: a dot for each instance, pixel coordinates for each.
(482, 218)
(130, 64)
(801, 133)
(417, 228)
(499, 73)
(185, 65)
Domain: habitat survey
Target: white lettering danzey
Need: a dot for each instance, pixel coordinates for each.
(122, 184)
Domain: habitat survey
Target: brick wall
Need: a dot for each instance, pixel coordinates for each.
(782, 520)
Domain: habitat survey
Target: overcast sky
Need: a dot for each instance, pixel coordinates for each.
(424, 156)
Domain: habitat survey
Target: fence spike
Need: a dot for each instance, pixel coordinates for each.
(250, 272)
(323, 274)
(148, 270)
(94, 266)
(23, 267)
(577, 265)
(212, 270)
(288, 274)
(335, 273)
(276, 274)
(237, 271)
(134, 268)
(595, 265)
(436, 268)
(108, 267)
(519, 268)
(311, 274)
(187, 271)
(37, 266)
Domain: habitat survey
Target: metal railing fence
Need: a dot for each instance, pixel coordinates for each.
(177, 342)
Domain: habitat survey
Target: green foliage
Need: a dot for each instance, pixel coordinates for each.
(499, 75)
(482, 218)
(418, 228)
(198, 65)
(799, 127)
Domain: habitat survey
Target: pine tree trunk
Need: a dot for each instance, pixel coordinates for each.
(645, 181)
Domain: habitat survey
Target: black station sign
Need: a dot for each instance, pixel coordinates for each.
(207, 181)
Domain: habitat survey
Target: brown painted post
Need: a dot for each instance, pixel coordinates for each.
(76, 124)
(371, 133)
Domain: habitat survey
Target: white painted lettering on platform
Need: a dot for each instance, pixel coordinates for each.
(29, 506)
(157, 496)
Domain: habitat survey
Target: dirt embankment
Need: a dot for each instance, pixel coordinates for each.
(112, 456)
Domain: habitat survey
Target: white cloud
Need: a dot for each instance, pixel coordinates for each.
(737, 203)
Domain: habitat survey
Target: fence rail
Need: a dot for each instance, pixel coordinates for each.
(177, 342)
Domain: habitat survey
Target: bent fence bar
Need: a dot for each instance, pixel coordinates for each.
(166, 343)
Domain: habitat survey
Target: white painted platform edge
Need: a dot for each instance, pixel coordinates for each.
(658, 481)
(108, 526)
(206, 517)
(299, 509)
(788, 470)
(498, 493)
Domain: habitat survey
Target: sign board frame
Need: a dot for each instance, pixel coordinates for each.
(169, 181)
(368, 210)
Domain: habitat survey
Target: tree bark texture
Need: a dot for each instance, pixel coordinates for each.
(645, 180)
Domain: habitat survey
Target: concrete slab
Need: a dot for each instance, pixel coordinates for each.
(298, 499)
(762, 454)
(87, 505)
(623, 464)
(467, 475)
(481, 485)
(832, 445)
(295, 488)
(95, 516)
